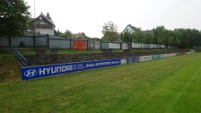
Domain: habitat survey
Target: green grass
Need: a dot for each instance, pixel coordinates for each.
(27, 52)
(170, 85)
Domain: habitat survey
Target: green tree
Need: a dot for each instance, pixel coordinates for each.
(138, 36)
(197, 38)
(110, 36)
(57, 32)
(182, 37)
(126, 37)
(159, 34)
(14, 18)
(109, 27)
(110, 32)
(163, 36)
(193, 37)
(86, 37)
(148, 38)
(67, 34)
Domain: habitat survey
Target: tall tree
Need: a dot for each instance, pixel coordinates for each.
(182, 36)
(163, 36)
(148, 38)
(109, 27)
(138, 36)
(109, 31)
(193, 37)
(110, 36)
(57, 32)
(14, 18)
(197, 38)
(127, 37)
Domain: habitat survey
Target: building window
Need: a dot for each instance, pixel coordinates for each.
(42, 22)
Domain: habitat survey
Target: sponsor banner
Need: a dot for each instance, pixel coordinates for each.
(94, 45)
(164, 55)
(114, 45)
(91, 45)
(177, 54)
(97, 45)
(188, 52)
(156, 56)
(134, 45)
(192, 50)
(48, 70)
(173, 54)
(79, 45)
(145, 58)
(124, 46)
(168, 55)
(132, 59)
(123, 61)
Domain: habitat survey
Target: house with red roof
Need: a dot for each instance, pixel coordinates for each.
(79, 35)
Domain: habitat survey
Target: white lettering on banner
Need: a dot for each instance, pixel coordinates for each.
(42, 72)
(59, 69)
(90, 65)
(48, 70)
(103, 63)
(115, 62)
(54, 70)
(80, 66)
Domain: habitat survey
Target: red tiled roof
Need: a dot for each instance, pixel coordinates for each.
(80, 34)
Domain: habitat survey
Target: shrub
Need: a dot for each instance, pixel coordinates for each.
(21, 44)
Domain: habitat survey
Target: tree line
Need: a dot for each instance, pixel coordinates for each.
(68, 34)
(181, 38)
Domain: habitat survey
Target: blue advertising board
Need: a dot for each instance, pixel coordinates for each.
(132, 59)
(145, 58)
(156, 56)
(48, 70)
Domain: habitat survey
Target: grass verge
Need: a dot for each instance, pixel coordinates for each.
(170, 85)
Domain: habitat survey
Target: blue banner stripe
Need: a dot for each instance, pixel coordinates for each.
(48, 70)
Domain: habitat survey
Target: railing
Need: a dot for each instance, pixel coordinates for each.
(19, 57)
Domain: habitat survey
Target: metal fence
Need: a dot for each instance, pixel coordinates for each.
(74, 44)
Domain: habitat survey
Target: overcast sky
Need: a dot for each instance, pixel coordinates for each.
(89, 15)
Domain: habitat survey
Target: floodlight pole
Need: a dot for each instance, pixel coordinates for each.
(34, 18)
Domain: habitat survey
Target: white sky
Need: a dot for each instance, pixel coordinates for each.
(89, 15)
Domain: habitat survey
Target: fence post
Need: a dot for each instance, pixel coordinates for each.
(9, 41)
(70, 44)
(100, 45)
(48, 41)
(34, 42)
(87, 45)
(120, 45)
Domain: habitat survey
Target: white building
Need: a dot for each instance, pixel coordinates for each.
(129, 28)
(41, 25)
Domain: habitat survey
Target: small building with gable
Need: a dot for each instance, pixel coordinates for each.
(43, 24)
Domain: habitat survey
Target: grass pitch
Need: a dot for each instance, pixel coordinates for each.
(170, 85)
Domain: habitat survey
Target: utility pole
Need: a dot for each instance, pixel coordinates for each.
(34, 18)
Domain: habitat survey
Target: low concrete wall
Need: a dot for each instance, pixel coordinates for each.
(44, 59)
